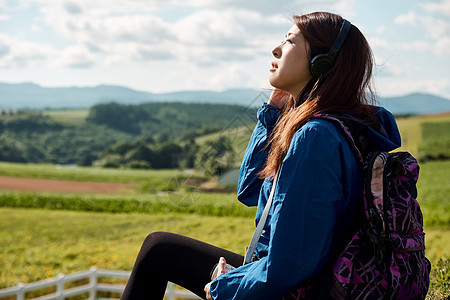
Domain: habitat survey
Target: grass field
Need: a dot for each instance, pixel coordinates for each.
(68, 116)
(49, 171)
(148, 180)
(411, 131)
(41, 243)
(38, 244)
(75, 232)
(194, 202)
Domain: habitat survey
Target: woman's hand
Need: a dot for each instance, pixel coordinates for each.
(221, 270)
(207, 291)
(278, 98)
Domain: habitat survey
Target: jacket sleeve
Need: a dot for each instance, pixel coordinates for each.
(249, 182)
(308, 201)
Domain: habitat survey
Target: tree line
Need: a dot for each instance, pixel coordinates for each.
(151, 135)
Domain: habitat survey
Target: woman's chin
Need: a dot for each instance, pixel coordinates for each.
(273, 81)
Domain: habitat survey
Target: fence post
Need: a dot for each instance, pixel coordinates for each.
(93, 283)
(60, 287)
(21, 291)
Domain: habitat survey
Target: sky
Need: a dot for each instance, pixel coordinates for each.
(177, 45)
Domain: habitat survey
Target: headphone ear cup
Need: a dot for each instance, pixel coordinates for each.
(320, 65)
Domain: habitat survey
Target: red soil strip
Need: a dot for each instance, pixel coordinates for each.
(63, 186)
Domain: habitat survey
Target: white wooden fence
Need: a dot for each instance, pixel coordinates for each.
(90, 288)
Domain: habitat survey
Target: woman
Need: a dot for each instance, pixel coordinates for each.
(318, 177)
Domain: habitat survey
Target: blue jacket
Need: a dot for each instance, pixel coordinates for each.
(317, 190)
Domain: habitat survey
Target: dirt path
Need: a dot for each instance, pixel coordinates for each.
(64, 186)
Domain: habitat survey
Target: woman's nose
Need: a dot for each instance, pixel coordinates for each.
(276, 52)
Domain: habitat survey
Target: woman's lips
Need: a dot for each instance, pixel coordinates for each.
(274, 67)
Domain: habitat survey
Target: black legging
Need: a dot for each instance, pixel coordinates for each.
(171, 257)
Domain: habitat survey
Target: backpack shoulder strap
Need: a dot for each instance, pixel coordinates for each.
(365, 161)
(349, 135)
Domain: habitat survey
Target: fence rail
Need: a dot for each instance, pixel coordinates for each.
(92, 287)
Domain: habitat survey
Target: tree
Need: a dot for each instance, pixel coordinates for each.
(110, 161)
(139, 152)
(10, 153)
(167, 156)
(122, 117)
(190, 150)
(216, 156)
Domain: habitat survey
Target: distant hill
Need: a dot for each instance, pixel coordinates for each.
(32, 96)
(416, 104)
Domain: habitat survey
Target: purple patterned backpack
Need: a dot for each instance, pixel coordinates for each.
(385, 258)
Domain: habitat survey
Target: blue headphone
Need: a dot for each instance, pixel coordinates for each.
(322, 63)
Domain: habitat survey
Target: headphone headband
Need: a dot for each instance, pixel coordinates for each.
(322, 63)
(340, 39)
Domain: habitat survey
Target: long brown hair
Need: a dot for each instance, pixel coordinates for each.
(346, 88)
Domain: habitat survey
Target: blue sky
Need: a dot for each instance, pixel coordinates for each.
(173, 45)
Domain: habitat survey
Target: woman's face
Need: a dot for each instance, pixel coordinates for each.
(290, 68)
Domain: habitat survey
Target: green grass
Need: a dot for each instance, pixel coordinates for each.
(433, 187)
(48, 171)
(435, 141)
(193, 202)
(38, 244)
(433, 193)
(411, 133)
(68, 116)
(440, 281)
(435, 130)
(76, 231)
(437, 241)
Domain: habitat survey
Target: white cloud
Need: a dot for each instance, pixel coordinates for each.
(381, 29)
(441, 8)
(229, 28)
(93, 26)
(73, 8)
(204, 37)
(398, 86)
(382, 44)
(234, 75)
(121, 31)
(5, 48)
(16, 53)
(443, 46)
(36, 28)
(409, 18)
(149, 53)
(437, 30)
(214, 44)
(346, 8)
(378, 43)
(434, 26)
(75, 57)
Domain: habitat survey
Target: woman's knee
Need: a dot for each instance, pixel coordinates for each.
(153, 247)
(156, 238)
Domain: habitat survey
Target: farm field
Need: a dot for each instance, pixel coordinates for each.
(68, 116)
(49, 171)
(52, 185)
(39, 243)
(46, 232)
(71, 235)
(410, 129)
